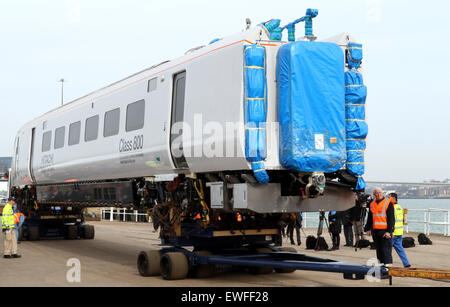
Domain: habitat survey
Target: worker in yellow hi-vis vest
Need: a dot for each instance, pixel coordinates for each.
(397, 240)
(8, 225)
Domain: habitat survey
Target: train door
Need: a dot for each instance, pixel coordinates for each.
(31, 156)
(177, 119)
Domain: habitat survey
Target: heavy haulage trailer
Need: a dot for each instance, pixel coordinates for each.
(218, 145)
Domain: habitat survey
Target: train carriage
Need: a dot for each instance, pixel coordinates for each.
(229, 136)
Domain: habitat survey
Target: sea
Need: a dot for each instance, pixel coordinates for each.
(415, 217)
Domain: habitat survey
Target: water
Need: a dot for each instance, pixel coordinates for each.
(311, 219)
(419, 216)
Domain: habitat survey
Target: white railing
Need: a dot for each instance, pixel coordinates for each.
(122, 215)
(428, 222)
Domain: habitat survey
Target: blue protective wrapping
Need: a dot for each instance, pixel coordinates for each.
(356, 127)
(255, 109)
(354, 55)
(311, 107)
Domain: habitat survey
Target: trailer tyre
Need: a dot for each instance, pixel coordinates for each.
(33, 233)
(203, 270)
(72, 232)
(286, 249)
(174, 266)
(149, 263)
(261, 269)
(89, 232)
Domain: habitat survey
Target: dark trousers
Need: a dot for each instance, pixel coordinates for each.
(283, 228)
(348, 234)
(336, 238)
(290, 232)
(383, 246)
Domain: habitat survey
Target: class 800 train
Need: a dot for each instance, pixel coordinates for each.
(219, 142)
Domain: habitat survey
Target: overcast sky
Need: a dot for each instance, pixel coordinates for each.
(92, 43)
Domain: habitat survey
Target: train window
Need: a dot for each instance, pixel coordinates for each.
(46, 141)
(135, 115)
(111, 126)
(59, 137)
(152, 84)
(74, 133)
(91, 129)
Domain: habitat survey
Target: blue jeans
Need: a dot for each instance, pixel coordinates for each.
(398, 246)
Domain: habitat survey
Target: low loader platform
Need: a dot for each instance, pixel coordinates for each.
(256, 253)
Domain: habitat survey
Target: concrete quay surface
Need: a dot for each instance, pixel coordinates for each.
(110, 260)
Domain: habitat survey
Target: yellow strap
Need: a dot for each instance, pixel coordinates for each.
(255, 67)
(259, 47)
(259, 170)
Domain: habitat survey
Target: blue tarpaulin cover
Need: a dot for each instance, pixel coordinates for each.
(255, 109)
(311, 106)
(354, 55)
(355, 109)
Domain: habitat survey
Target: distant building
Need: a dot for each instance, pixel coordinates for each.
(5, 164)
(416, 191)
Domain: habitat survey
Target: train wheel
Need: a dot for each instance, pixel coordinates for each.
(286, 249)
(89, 232)
(203, 270)
(149, 263)
(33, 233)
(71, 232)
(174, 266)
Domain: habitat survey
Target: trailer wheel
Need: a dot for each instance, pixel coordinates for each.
(71, 232)
(286, 249)
(33, 233)
(262, 269)
(174, 266)
(89, 232)
(149, 263)
(203, 270)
